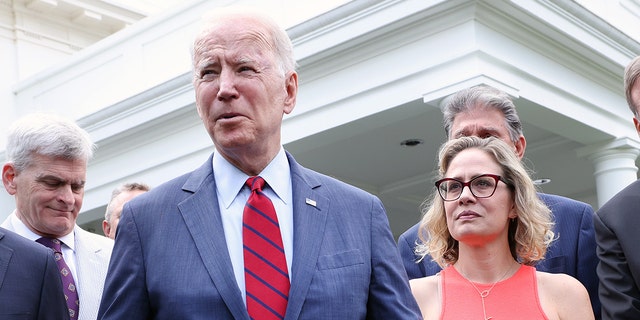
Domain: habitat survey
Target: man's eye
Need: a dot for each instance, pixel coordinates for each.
(207, 73)
(487, 135)
(51, 183)
(245, 69)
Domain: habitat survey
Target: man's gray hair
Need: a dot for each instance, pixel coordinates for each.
(47, 135)
(631, 75)
(482, 97)
(126, 187)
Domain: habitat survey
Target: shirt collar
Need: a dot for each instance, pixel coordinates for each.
(20, 228)
(230, 180)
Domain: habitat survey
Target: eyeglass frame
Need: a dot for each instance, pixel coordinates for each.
(467, 184)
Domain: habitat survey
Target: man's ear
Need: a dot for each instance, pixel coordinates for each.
(636, 123)
(8, 178)
(106, 228)
(520, 145)
(291, 86)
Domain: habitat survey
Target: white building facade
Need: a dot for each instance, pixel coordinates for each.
(372, 75)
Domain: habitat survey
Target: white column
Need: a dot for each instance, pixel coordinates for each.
(615, 167)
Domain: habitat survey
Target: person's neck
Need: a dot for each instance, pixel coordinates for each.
(485, 264)
(251, 163)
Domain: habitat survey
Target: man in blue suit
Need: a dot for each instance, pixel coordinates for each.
(179, 247)
(30, 287)
(487, 112)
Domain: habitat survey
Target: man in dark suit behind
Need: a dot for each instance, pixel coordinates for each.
(30, 287)
(617, 232)
(180, 251)
(484, 111)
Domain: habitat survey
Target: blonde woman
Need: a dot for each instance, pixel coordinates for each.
(486, 227)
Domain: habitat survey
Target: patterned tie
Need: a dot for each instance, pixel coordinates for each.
(69, 286)
(265, 267)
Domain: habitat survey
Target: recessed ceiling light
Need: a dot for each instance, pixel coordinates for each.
(411, 142)
(541, 181)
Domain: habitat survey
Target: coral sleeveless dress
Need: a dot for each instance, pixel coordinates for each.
(513, 298)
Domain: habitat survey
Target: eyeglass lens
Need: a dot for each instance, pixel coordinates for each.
(481, 187)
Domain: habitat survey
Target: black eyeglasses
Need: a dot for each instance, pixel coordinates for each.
(482, 186)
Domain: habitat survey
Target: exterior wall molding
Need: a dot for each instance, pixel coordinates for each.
(358, 61)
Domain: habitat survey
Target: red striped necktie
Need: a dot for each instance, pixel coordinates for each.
(265, 267)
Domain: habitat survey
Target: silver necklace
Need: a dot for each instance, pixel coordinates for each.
(485, 293)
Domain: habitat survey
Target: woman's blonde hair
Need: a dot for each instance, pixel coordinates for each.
(530, 233)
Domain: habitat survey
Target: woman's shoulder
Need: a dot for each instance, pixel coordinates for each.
(558, 281)
(426, 288)
(425, 283)
(564, 296)
(426, 292)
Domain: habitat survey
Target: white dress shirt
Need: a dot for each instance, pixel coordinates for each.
(232, 196)
(68, 243)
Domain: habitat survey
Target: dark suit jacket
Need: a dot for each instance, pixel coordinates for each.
(30, 286)
(573, 253)
(170, 259)
(617, 226)
(92, 259)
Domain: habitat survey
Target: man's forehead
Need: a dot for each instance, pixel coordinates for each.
(74, 173)
(227, 32)
(471, 124)
(238, 52)
(59, 177)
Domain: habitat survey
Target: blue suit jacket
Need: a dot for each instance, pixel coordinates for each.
(170, 259)
(30, 286)
(573, 253)
(617, 226)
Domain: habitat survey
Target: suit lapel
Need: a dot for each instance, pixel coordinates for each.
(5, 257)
(310, 211)
(201, 214)
(89, 266)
